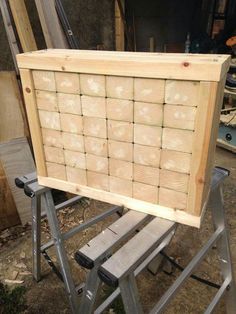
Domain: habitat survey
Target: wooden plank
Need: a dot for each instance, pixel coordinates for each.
(23, 26)
(119, 28)
(8, 212)
(52, 30)
(17, 160)
(12, 124)
(207, 123)
(35, 131)
(157, 65)
(117, 199)
(10, 32)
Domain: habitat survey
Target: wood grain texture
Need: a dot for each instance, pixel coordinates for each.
(117, 199)
(12, 123)
(141, 140)
(23, 26)
(52, 30)
(16, 159)
(8, 213)
(143, 65)
(35, 131)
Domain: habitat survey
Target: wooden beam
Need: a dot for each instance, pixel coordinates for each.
(23, 26)
(134, 64)
(52, 30)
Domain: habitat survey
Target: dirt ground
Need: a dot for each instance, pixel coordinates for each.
(42, 297)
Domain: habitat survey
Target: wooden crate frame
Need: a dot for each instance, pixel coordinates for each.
(208, 70)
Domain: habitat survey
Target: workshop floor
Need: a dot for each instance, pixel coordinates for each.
(48, 296)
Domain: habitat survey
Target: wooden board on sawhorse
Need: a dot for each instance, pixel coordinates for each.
(121, 268)
(42, 195)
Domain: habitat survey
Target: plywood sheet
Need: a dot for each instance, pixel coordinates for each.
(16, 159)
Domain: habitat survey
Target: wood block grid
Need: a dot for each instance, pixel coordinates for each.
(126, 135)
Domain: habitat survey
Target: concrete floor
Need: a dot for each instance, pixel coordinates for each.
(193, 298)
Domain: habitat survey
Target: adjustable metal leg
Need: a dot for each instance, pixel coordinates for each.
(90, 291)
(216, 199)
(36, 236)
(130, 296)
(60, 251)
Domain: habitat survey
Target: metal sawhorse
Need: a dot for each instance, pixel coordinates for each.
(43, 196)
(120, 269)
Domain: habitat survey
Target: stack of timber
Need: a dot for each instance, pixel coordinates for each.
(15, 154)
(132, 129)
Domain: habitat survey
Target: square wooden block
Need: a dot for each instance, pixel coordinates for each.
(119, 150)
(145, 192)
(52, 138)
(97, 163)
(71, 123)
(119, 109)
(179, 117)
(96, 146)
(121, 169)
(56, 171)
(174, 180)
(147, 135)
(49, 120)
(179, 140)
(46, 100)
(120, 131)
(149, 90)
(44, 80)
(172, 199)
(148, 113)
(75, 159)
(120, 186)
(54, 154)
(98, 180)
(146, 155)
(182, 92)
(95, 127)
(69, 103)
(120, 87)
(92, 85)
(145, 174)
(93, 106)
(76, 175)
(73, 142)
(67, 82)
(175, 161)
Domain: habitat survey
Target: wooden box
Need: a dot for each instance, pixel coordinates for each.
(135, 129)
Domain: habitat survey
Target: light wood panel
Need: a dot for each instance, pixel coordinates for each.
(16, 159)
(12, 124)
(23, 26)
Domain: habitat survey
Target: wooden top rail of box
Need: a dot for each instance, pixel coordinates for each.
(129, 128)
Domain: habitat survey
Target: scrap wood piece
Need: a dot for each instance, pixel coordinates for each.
(17, 160)
(23, 26)
(12, 123)
(10, 32)
(8, 212)
(52, 30)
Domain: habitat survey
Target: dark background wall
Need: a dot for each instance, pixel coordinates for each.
(92, 21)
(167, 21)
